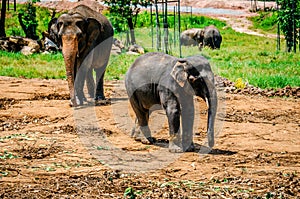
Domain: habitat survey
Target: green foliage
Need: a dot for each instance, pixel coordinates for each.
(27, 19)
(124, 11)
(43, 17)
(195, 21)
(13, 27)
(186, 21)
(46, 66)
(287, 16)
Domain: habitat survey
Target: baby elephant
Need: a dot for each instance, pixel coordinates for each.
(210, 36)
(158, 78)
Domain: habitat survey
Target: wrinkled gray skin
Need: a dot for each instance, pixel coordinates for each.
(211, 37)
(85, 37)
(158, 78)
(191, 37)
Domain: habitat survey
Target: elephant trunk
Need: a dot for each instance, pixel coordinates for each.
(212, 100)
(70, 52)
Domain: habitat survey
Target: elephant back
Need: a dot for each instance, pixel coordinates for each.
(190, 37)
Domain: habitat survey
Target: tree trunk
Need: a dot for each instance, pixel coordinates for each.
(131, 29)
(2, 19)
(254, 8)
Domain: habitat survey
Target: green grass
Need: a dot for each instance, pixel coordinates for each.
(265, 21)
(46, 66)
(118, 65)
(252, 58)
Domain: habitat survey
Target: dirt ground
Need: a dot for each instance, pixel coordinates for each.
(45, 154)
(50, 150)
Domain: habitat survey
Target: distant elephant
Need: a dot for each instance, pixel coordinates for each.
(158, 78)
(190, 37)
(211, 37)
(85, 37)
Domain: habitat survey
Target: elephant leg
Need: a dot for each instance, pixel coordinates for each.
(172, 108)
(187, 122)
(100, 79)
(141, 131)
(79, 83)
(90, 82)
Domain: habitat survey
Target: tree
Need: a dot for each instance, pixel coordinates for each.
(28, 21)
(289, 21)
(2, 19)
(126, 11)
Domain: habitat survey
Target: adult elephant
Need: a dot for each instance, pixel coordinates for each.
(211, 37)
(158, 78)
(85, 37)
(190, 37)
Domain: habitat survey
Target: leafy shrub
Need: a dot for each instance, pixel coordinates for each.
(13, 27)
(28, 21)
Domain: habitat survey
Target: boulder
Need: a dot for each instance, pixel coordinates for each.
(136, 49)
(117, 47)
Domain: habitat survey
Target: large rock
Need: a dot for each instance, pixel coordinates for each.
(33, 45)
(135, 49)
(15, 44)
(117, 47)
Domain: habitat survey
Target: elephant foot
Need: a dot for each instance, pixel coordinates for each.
(144, 140)
(101, 101)
(191, 148)
(175, 150)
(84, 99)
(78, 100)
(175, 145)
(143, 134)
(99, 97)
(91, 95)
(74, 102)
(71, 104)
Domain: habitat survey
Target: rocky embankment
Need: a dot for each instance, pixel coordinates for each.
(246, 89)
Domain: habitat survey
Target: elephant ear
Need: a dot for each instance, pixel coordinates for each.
(178, 73)
(194, 33)
(93, 31)
(53, 31)
(202, 33)
(52, 22)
